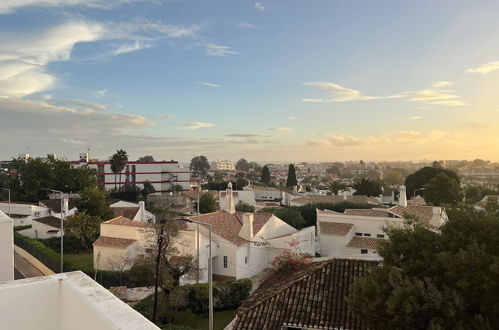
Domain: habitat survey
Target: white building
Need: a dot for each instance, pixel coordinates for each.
(23, 213)
(267, 194)
(315, 199)
(245, 196)
(68, 206)
(43, 228)
(132, 211)
(6, 249)
(357, 232)
(163, 175)
(68, 301)
(222, 165)
(247, 243)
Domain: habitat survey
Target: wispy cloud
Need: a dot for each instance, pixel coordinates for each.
(442, 83)
(80, 104)
(195, 125)
(167, 116)
(280, 129)
(218, 50)
(9, 6)
(208, 84)
(101, 92)
(131, 47)
(342, 94)
(484, 69)
(249, 135)
(292, 118)
(260, 6)
(246, 25)
(415, 118)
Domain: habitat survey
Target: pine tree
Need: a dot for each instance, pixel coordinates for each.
(265, 175)
(291, 181)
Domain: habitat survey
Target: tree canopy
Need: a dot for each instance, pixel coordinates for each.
(291, 216)
(93, 201)
(432, 280)
(265, 175)
(244, 207)
(84, 227)
(368, 188)
(291, 181)
(243, 165)
(199, 165)
(421, 177)
(207, 203)
(442, 190)
(118, 162)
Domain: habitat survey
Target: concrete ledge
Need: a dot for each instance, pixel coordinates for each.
(33, 261)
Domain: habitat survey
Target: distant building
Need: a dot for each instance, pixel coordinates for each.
(314, 199)
(68, 301)
(222, 165)
(245, 196)
(163, 175)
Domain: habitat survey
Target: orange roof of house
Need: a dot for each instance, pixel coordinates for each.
(122, 221)
(114, 242)
(363, 242)
(335, 228)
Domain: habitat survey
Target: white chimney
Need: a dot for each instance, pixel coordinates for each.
(345, 194)
(246, 231)
(229, 199)
(142, 208)
(65, 204)
(402, 196)
(436, 219)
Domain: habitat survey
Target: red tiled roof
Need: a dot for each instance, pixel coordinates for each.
(312, 298)
(114, 242)
(367, 212)
(334, 228)
(122, 221)
(422, 213)
(228, 225)
(357, 199)
(363, 242)
(127, 212)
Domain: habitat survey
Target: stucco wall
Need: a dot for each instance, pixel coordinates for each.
(6, 248)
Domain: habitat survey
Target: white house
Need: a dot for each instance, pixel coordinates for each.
(247, 243)
(6, 248)
(68, 206)
(267, 194)
(68, 301)
(23, 213)
(245, 196)
(357, 232)
(133, 211)
(163, 175)
(43, 228)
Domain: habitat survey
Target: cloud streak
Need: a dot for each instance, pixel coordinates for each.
(484, 69)
(9, 6)
(196, 125)
(218, 50)
(208, 84)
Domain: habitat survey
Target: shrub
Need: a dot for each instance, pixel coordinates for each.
(71, 244)
(18, 228)
(231, 294)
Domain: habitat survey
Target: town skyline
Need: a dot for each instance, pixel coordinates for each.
(379, 81)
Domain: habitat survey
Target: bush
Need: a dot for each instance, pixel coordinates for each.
(231, 294)
(71, 244)
(198, 295)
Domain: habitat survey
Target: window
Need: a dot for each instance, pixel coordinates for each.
(358, 234)
(380, 236)
(363, 251)
(226, 262)
(367, 234)
(246, 260)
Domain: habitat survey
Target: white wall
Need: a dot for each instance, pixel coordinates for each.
(115, 258)
(275, 227)
(6, 248)
(23, 214)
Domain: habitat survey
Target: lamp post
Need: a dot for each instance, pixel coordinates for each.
(62, 225)
(414, 193)
(9, 197)
(210, 270)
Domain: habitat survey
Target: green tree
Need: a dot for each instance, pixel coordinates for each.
(207, 203)
(93, 201)
(148, 189)
(421, 177)
(265, 175)
(242, 165)
(291, 181)
(199, 166)
(368, 188)
(335, 187)
(434, 280)
(244, 207)
(146, 159)
(84, 227)
(218, 176)
(289, 215)
(441, 190)
(118, 162)
(393, 177)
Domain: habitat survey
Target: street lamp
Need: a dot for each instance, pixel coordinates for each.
(62, 225)
(414, 193)
(210, 270)
(9, 197)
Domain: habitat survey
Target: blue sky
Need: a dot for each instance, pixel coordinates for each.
(277, 80)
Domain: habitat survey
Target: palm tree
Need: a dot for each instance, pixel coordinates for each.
(335, 187)
(118, 162)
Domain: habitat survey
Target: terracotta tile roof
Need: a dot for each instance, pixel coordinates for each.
(55, 204)
(127, 212)
(228, 225)
(334, 228)
(422, 213)
(50, 221)
(363, 242)
(312, 298)
(367, 212)
(122, 221)
(114, 242)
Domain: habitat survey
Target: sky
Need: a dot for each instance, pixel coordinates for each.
(274, 80)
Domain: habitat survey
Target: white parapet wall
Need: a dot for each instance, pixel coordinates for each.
(6, 248)
(69, 301)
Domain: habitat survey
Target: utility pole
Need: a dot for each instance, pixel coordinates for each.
(156, 284)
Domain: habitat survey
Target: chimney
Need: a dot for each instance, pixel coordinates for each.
(437, 217)
(345, 195)
(402, 196)
(142, 208)
(229, 200)
(246, 231)
(65, 205)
